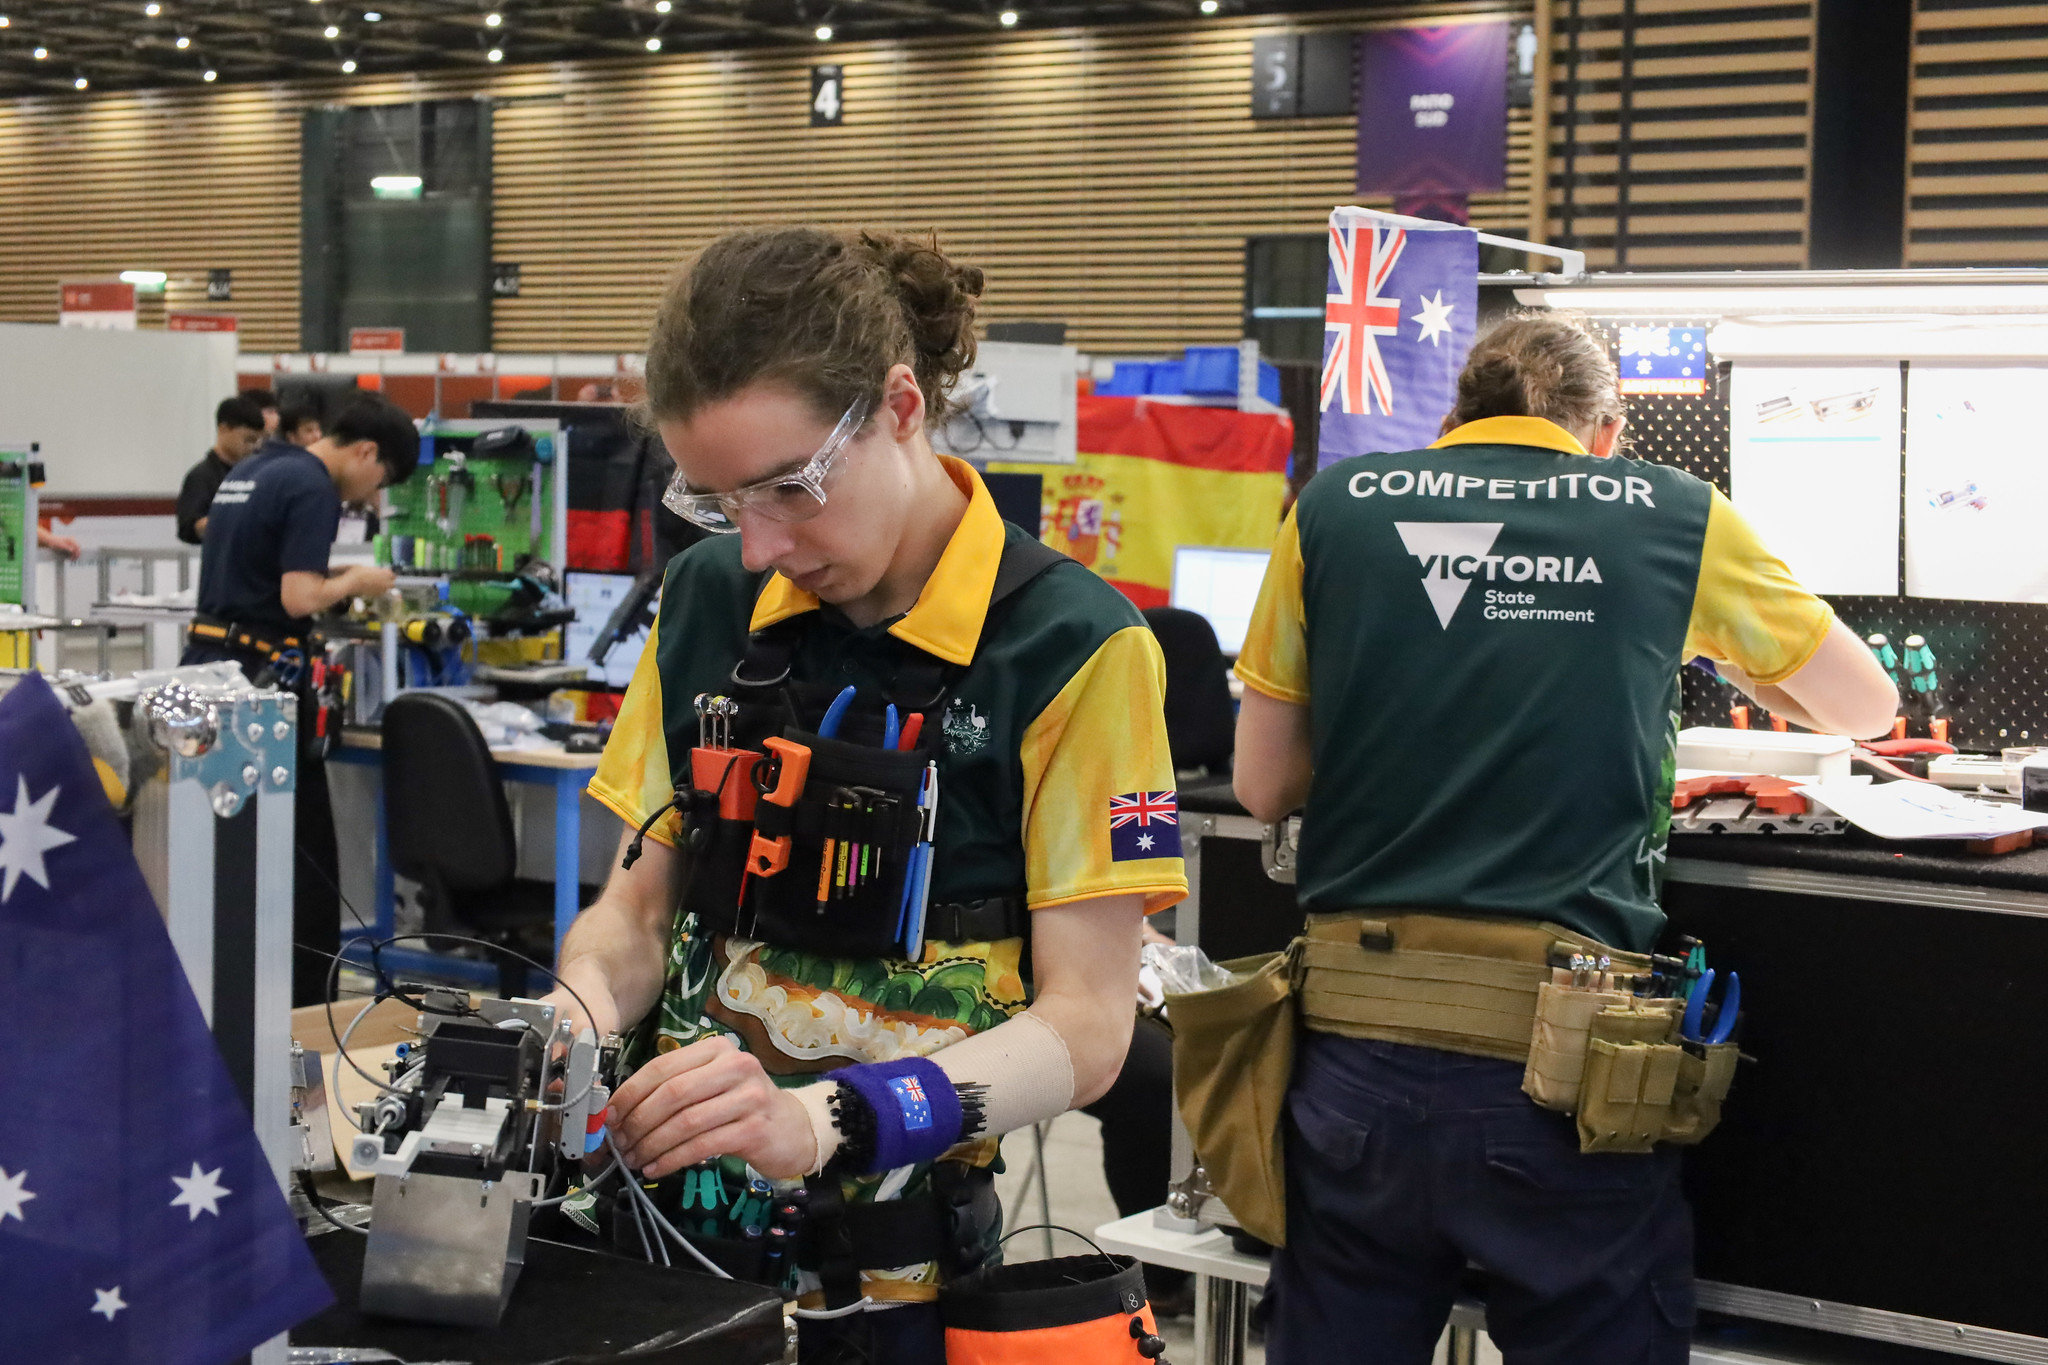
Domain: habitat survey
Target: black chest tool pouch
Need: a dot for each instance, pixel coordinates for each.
(821, 843)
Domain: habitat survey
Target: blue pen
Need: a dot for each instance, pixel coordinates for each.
(889, 728)
(829, 727)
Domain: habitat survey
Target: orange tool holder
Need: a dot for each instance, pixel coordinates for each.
(779, 778)
(729, 773)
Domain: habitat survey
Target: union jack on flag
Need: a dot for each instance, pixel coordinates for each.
(1144, 825)
(1355, 316)
(1398, 314)
(910, 1098)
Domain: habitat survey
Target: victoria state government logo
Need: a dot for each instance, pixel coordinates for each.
(1455, 553)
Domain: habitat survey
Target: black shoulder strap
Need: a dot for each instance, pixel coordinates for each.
(1022, 562)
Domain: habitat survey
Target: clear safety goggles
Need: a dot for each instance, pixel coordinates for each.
(796, 496)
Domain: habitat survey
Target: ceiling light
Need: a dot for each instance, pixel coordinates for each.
(1009, 17)
(210, 75)
(396, 186)
(654, 44)
(3, 21)
(824, 33)
(152, 9)
(330, 32)
(79, 84)
(145, 278)
(1210, 6)
(348, 68)
(183, 43)
(493, 20)
(662, 6)
(41, 53)
(372, 17)
(496, 54)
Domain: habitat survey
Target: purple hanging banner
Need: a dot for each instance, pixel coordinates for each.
(1398, 321)
(1433, 109)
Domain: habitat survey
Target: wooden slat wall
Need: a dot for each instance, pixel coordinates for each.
(1107, 177)
(1721, 118)
(1977, 175)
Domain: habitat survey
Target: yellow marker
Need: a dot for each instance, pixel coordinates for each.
(825, 872)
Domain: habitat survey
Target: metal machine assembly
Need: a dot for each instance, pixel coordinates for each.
(463, 1141)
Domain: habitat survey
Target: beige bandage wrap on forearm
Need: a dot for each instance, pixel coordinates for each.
(1022, 1065)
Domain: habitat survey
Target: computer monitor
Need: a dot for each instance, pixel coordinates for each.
(1222, 585)
(593, 597)
(1017, 497)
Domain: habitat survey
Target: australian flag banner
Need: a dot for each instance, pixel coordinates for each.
(1397, 324)
(139, 1219)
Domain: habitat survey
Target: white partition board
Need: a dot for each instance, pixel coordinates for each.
(114, 412)
(1977, 483)
(1813, 463)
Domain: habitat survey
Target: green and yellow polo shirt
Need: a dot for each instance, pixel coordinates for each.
(1053, 727)
(1488, 635)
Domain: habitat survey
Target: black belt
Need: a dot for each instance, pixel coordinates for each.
(947, 1226)
(250, 639)
(983, 921)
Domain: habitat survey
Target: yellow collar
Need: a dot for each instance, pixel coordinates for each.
(1513, 431)
(946, 619)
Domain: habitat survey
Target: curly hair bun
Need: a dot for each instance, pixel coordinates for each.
(938, 299)
(819, 311)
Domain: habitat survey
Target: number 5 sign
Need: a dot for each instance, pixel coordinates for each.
(828, 96)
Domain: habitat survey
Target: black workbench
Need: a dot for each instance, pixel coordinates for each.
(571, 1307)
(1856, 854)
(1877, 1171)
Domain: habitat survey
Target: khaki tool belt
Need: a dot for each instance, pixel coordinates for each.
(1501, 988)
(1460, 983)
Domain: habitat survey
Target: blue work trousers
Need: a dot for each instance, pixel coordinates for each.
(1406, 1165)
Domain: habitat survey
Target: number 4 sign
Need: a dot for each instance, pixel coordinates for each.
(828, 96)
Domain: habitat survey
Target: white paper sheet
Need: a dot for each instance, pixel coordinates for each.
(1814, 466)
(1977, 484)
(1918, 810)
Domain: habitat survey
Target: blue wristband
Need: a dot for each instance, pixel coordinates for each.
(913, 1107)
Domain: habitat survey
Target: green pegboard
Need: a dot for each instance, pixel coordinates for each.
(17, 528)
(509, 501)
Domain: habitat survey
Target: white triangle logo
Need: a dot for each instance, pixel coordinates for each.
(1439, 544)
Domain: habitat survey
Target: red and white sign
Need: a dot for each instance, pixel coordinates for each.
(362, 339)
(199, 322)
(107, 304)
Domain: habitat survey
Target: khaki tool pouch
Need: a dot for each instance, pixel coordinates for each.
(1631, 1079)
(1558, 1046)
(1704, 1075)
(1459, 983)
(1233, 1056)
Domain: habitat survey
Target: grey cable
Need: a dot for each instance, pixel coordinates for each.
(660, 1222)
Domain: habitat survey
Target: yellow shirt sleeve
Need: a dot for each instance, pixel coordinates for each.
(1103, 736)
(1748, 610)
(1274, 659)
(632, 778)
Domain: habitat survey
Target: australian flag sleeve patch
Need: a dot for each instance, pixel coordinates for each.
(1144, 825)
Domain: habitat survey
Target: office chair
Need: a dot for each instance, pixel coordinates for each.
(1201, 723)
(450, 830)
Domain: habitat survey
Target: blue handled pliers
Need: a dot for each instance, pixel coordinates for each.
(1691, 1029)
(828, 728)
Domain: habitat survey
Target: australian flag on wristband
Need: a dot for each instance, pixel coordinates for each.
(1144, 825)
(1397, 324)
(139, 1219)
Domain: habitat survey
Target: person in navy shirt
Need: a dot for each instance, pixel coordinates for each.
(263, 576)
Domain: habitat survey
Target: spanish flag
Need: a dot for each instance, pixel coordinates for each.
(1154, 475)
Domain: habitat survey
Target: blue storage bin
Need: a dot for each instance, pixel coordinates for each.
(1210, 371)
(1168, 378)
(1130, 379)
